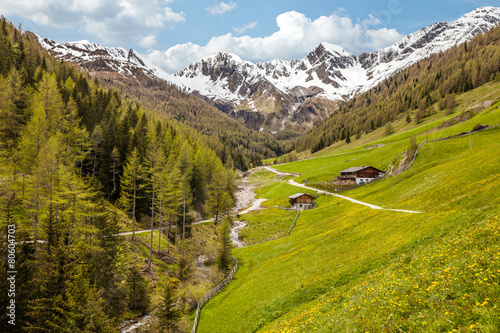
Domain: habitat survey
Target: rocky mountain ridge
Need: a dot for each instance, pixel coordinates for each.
(268, 94)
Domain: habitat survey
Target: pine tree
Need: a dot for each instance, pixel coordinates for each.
(49, 100)
(408, 117)
(137, 298)
(450, 103)
(168, 312)
(84, 309)
(199, 178)
(10, 117)
(413, 144)
(46, 178)
(388, 128)
(75, 200)
(224, 256)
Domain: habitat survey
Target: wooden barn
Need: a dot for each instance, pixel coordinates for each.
(301, 201)
(359, 175)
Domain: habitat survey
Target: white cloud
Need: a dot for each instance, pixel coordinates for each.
(148, 42)
(113, 21)
(296, 36)
(222, 8)
(382, 37)
(245, 27)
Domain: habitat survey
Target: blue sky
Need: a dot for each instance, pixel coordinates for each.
(173, 33)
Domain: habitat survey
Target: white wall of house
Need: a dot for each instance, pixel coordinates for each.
(363, 180)
(301, 206)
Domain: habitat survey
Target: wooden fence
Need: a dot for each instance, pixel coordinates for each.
(294, 222)
(212, 293)
(276, 238)
(414, 156)
(229, 278)
(448, 138)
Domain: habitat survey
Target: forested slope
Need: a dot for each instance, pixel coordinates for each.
(226, 136)
(412, 94)
(73, 157)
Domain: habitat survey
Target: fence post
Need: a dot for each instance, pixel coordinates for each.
(212, 293)
(228, 279)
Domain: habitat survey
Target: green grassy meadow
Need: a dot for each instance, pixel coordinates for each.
(348, 268)
(403, 130)
(328, 166)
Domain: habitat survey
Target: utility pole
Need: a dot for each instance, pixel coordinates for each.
(381, 160)
(470, 143)
(427, 135)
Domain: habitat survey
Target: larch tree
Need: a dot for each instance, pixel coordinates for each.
(77, 138)
(219, 201)
(10, 116)
(156, 162)
(132, 181)
(224, 256)
(173, 195)
(185, 166)
(46, 122)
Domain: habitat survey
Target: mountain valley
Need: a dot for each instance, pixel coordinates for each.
(135, 200)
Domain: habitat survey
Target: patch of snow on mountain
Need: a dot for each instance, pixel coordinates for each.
(328, 71)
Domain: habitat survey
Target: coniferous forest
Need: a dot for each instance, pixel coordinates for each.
(78, 162)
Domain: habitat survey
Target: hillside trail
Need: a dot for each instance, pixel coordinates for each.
(294, 183)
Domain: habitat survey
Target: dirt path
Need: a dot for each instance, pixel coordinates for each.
(255, 206)
(268, 168)
(127, 233)
(294, 183)
(245, 197)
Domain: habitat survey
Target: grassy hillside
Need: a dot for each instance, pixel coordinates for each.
(476, 100)
(346, 267)
(413, 94)
(327, 163)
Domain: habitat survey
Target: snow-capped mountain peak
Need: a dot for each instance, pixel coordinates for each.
(95, 57)
(332, 48)
(280, 87)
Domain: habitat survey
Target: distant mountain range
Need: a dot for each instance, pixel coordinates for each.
(268, 95)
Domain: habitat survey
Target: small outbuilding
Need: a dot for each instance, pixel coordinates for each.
(359, 175)
(301, 201)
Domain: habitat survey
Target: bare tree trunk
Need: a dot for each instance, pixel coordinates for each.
(168, 233)
(72, 220)
(56, 211)
(69, 138)
(184, 216)
(35, 227)
(94, 162)
(152, 219)
(51, 206)
(159, 223)
(114, 179)
(133, 211)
